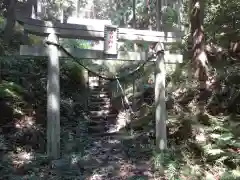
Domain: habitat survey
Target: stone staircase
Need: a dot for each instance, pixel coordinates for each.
(101, 113)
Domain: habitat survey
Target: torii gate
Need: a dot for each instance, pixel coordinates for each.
(110, 35)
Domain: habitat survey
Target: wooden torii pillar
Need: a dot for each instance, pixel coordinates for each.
(91, 32)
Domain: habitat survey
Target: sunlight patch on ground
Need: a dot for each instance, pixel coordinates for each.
(200, 135)
(190, 171)
(75, 159)
(201, 138)
(102, 112)
(18, 111)
(114, 141)
(26, 122)
(96, 177)
(11, 93)
(21, 157)
(123, 119)
(126, 170)
(93, 84)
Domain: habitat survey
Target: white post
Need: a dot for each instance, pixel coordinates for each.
(34, 8)
(53, 100)
(62, 15)
(161, 112)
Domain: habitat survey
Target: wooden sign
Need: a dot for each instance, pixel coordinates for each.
(110, 40)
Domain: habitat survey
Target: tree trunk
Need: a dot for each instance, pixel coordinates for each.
(8, 30)
(199, 56)
(149, 15)
(134, 13)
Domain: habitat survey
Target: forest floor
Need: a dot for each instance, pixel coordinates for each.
(197, 149)
(122, 156)
(83, 156)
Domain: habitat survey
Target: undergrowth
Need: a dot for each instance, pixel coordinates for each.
(207, 148)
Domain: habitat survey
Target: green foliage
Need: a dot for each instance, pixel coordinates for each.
(35, 40)
(10, 90)
(76, 43)
(170, 16)
(2, 23)
(170, 162)
(74, 71)
(222, 20)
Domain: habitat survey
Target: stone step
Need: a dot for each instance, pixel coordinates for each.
(96, 122)
(99, 95)
(99, 91)
(99, 103)
(99, 113)
(98, 88)
(99, 108)
(97, 82)
(108, 116)
(97, 118)
(97, 128)
(96, 92)
(103, 100)
(94, 82)
(94, 78)
(104, 134)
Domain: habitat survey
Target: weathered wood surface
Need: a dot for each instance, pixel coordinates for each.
(160, 90)
(98, 54)
(160, 101)
(84, 21)
(94, 32)
(53, 101)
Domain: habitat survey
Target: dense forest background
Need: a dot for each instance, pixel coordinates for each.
(203, 96)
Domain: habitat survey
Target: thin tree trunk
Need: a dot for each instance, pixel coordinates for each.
(8, 30)
(134, 13)
(135, 49)
(149, 15)
(158, 15)
(199, 56)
